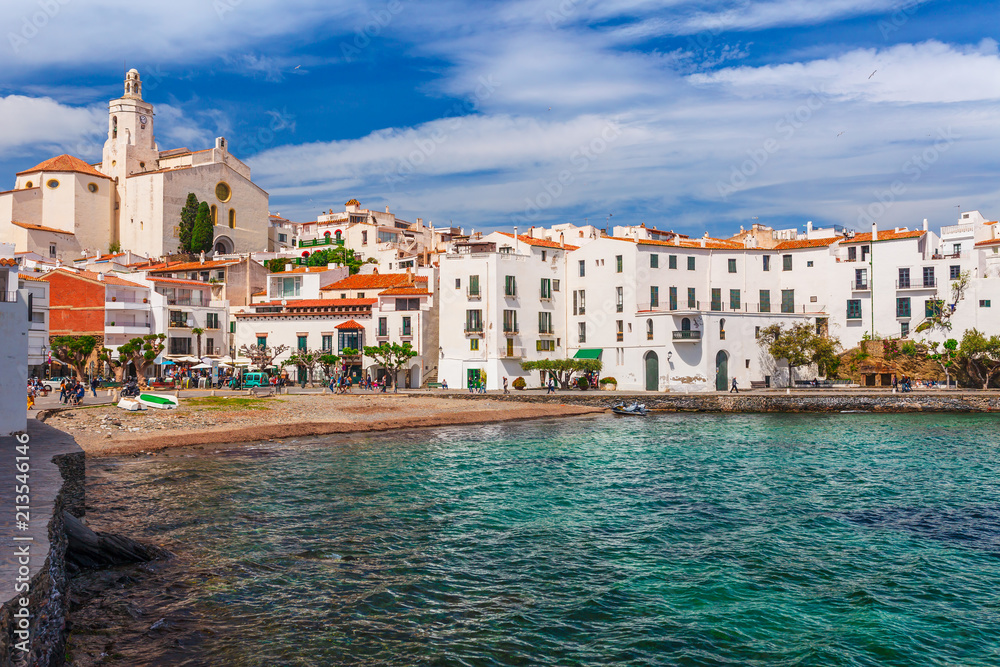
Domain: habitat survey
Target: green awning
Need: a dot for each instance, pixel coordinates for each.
(592, 353)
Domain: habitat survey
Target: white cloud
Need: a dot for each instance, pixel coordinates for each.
(30, 123)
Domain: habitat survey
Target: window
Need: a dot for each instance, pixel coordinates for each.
(854, 309)
(52, 184)
(210, 346)
(619, 299)
(767, 262)
(649, 329)
(544, 322)
(954, 272)
(180, 346)
(618, 264)
(407, 304)
(904, 279)
(178, 318)
(929, 277)
(734, 299)
(303, 343)
(860, 279)
(933, 307)
(654, 261)
(510, 321)
(864, 252)
(904, 328)
(690, 263)
(474, 285)
(383, 327)
(543, 255)
(92, 187)
(756, 332)
(215, 214)
(545, 345)
(288, 287)
(984, 303)
(732, 266)
(716, 298)
(765, 301)
(232, 218)
(788, 301)
(722, 329)
(211, 320)
(852, 254)
(579, 302)
(351, 338)
(672, 261)
(673, 298)
(261, 341)
(510, 286)
(474, 321)
(52, 251)
(692, 302)
(654, 296)
(786, 262)
(555, 285)
(903, 307)
(583, 268)
(546, 289)
(282, 238)
(407, 328)
(620, 331)
(327, 342)
(223, 192)
(458, 283)
(809, 264)
(364, 237)
(583, 332)
(473, 344)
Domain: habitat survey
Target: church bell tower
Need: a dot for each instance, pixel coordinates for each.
(131, 145)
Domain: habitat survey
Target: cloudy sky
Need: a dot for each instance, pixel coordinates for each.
(685, 115)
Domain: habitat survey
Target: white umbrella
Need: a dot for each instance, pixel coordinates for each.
(190, 360)
(200, 366)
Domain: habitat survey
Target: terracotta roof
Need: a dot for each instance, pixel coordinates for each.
(176, 281)
(161, 171)
(93, 276)
(349, 325)
(405, 291)
(7, 192)
(40, 228)
(808, 243)
(263, 292)
(541, 243)
(64, 163)
(884, 236)
(375, 281)
(352, 202)
(25, 276)
(319, 303)
(8, 262)
(710, 244)
(304, 269)
(194, 266)
(988, 242)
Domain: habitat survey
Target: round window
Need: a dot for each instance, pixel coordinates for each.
(223, 192)
(92, 187)
(29, 184)
(53, 184)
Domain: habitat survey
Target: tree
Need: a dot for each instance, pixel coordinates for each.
(981, 355)
(262, 356)
(306, 360)
(328, 360)
(800, 345)
(338, 255)
(203, 232)
(188, 216)
(117, 365)
(941, 312)
(197, 331)
(392, 357)
(141, 352)
(114, 248)
(946, 358)
(74, 351)
(564, 369)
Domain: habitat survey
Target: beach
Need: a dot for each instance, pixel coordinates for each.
(109, 431)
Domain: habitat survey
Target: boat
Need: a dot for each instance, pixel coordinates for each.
(633, 410)
(130, 405)
(160, 401)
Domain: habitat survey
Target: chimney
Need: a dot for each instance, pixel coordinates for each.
(289, 266)
(100, 276)
(809, 227)
(874, 231)
(386, 209)
(925, 224)
(702, 241)
(562, 240)
(202, 259)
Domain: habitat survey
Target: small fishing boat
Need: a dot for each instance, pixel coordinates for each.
(633, 410)
(131, 405)
(160, 401)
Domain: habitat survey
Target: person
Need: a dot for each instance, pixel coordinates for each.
(734, 388)
(895, 382)
(31, 397)
(444, 384)
(551, 386)
(505, 385)
(93, 386)
(482, 382)
(63, 387)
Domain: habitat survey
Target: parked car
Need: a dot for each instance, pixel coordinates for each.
(256, 380)
(53, 383)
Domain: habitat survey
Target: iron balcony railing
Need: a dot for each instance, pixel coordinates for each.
(687, 335)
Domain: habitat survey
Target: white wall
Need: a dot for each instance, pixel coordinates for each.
(14, 361)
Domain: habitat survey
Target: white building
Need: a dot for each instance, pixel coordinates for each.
(38, 322)
(14, 356)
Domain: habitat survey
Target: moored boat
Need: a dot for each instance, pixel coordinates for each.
(634, 410)
(160, 401)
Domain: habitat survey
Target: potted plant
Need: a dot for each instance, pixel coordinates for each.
(519, 383)
(582, 383)
(608, 384)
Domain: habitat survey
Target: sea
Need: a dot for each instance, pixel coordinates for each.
(808, 539)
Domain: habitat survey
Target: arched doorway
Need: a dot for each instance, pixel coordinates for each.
(223, 246)
(685, 324)
(722, 371)
(652, 371)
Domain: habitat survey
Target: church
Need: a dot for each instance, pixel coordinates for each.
(65, 208)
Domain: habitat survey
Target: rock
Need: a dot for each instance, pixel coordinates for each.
(87, 549)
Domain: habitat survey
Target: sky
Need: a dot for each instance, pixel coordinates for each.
(690, 116)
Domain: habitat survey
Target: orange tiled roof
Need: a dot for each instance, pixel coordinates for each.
(177, 281)
(8, 262)
(988, 242)
(64, 163)
(319, 303)
(710, 244)
(305, 269)
(25, 276)
(808, 243)
(93, 276)
(194, 266)
(405, 291)
(40, 228)
(884, 236)
(375, 281)
(349, 325)
(541, 243)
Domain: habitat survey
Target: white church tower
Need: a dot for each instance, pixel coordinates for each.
(131, 145)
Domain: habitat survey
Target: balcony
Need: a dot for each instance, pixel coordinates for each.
(510, 294)
(473, 294)
(511, 331)
(8, 297)
(543, 296)
(549, 332)
(382, 333)
(474, 330)
(906, 284)
(126, 328)
(860, 286)
(512, 353)
(930, 282)
(405, 333)
(687, 336)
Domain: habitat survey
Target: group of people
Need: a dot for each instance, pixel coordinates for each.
(344, 384)
(904, 384)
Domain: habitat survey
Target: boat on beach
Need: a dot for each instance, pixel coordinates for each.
(131, 405)
(159, 401)
(633, 410)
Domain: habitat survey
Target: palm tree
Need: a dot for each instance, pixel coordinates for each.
(198, 332)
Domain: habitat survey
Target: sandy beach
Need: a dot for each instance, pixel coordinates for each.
(109, 431)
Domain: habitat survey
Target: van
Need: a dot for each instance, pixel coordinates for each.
(256, 380)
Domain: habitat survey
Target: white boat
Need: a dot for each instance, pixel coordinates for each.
(159, 401)
(130, 405)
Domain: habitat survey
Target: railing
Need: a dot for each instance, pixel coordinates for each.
(930, 282)
(382, 333)
(543, 296)
(124, 298)
(475, 330)
(512, 353)
(405, 333)
(512, 331)
(720, 307)
(860, 285)
(8, 297)
(187, 302)
(328, 240)
(137, 325)
(954, 255)
(549, 332)
(957, 229)
(473, 294)
(510, 295)
(687, 335)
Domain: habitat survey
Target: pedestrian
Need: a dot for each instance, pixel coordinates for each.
(505, 385)
(31, 397)
(734, 388)
(93, 386)
(550, 386)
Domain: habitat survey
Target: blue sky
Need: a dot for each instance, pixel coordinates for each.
(684, 115)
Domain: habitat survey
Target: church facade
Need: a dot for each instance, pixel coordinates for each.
(65, 208)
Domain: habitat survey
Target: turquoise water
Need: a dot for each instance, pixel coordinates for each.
(673, 540)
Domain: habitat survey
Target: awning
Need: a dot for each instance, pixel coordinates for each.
(588, 353)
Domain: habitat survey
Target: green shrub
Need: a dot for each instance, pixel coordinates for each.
(909, 349)
(582, 383)
(608, 380)
(519, 383)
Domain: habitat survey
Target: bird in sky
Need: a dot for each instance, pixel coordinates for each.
(298, 66)
(871, 75)
(840, 133)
